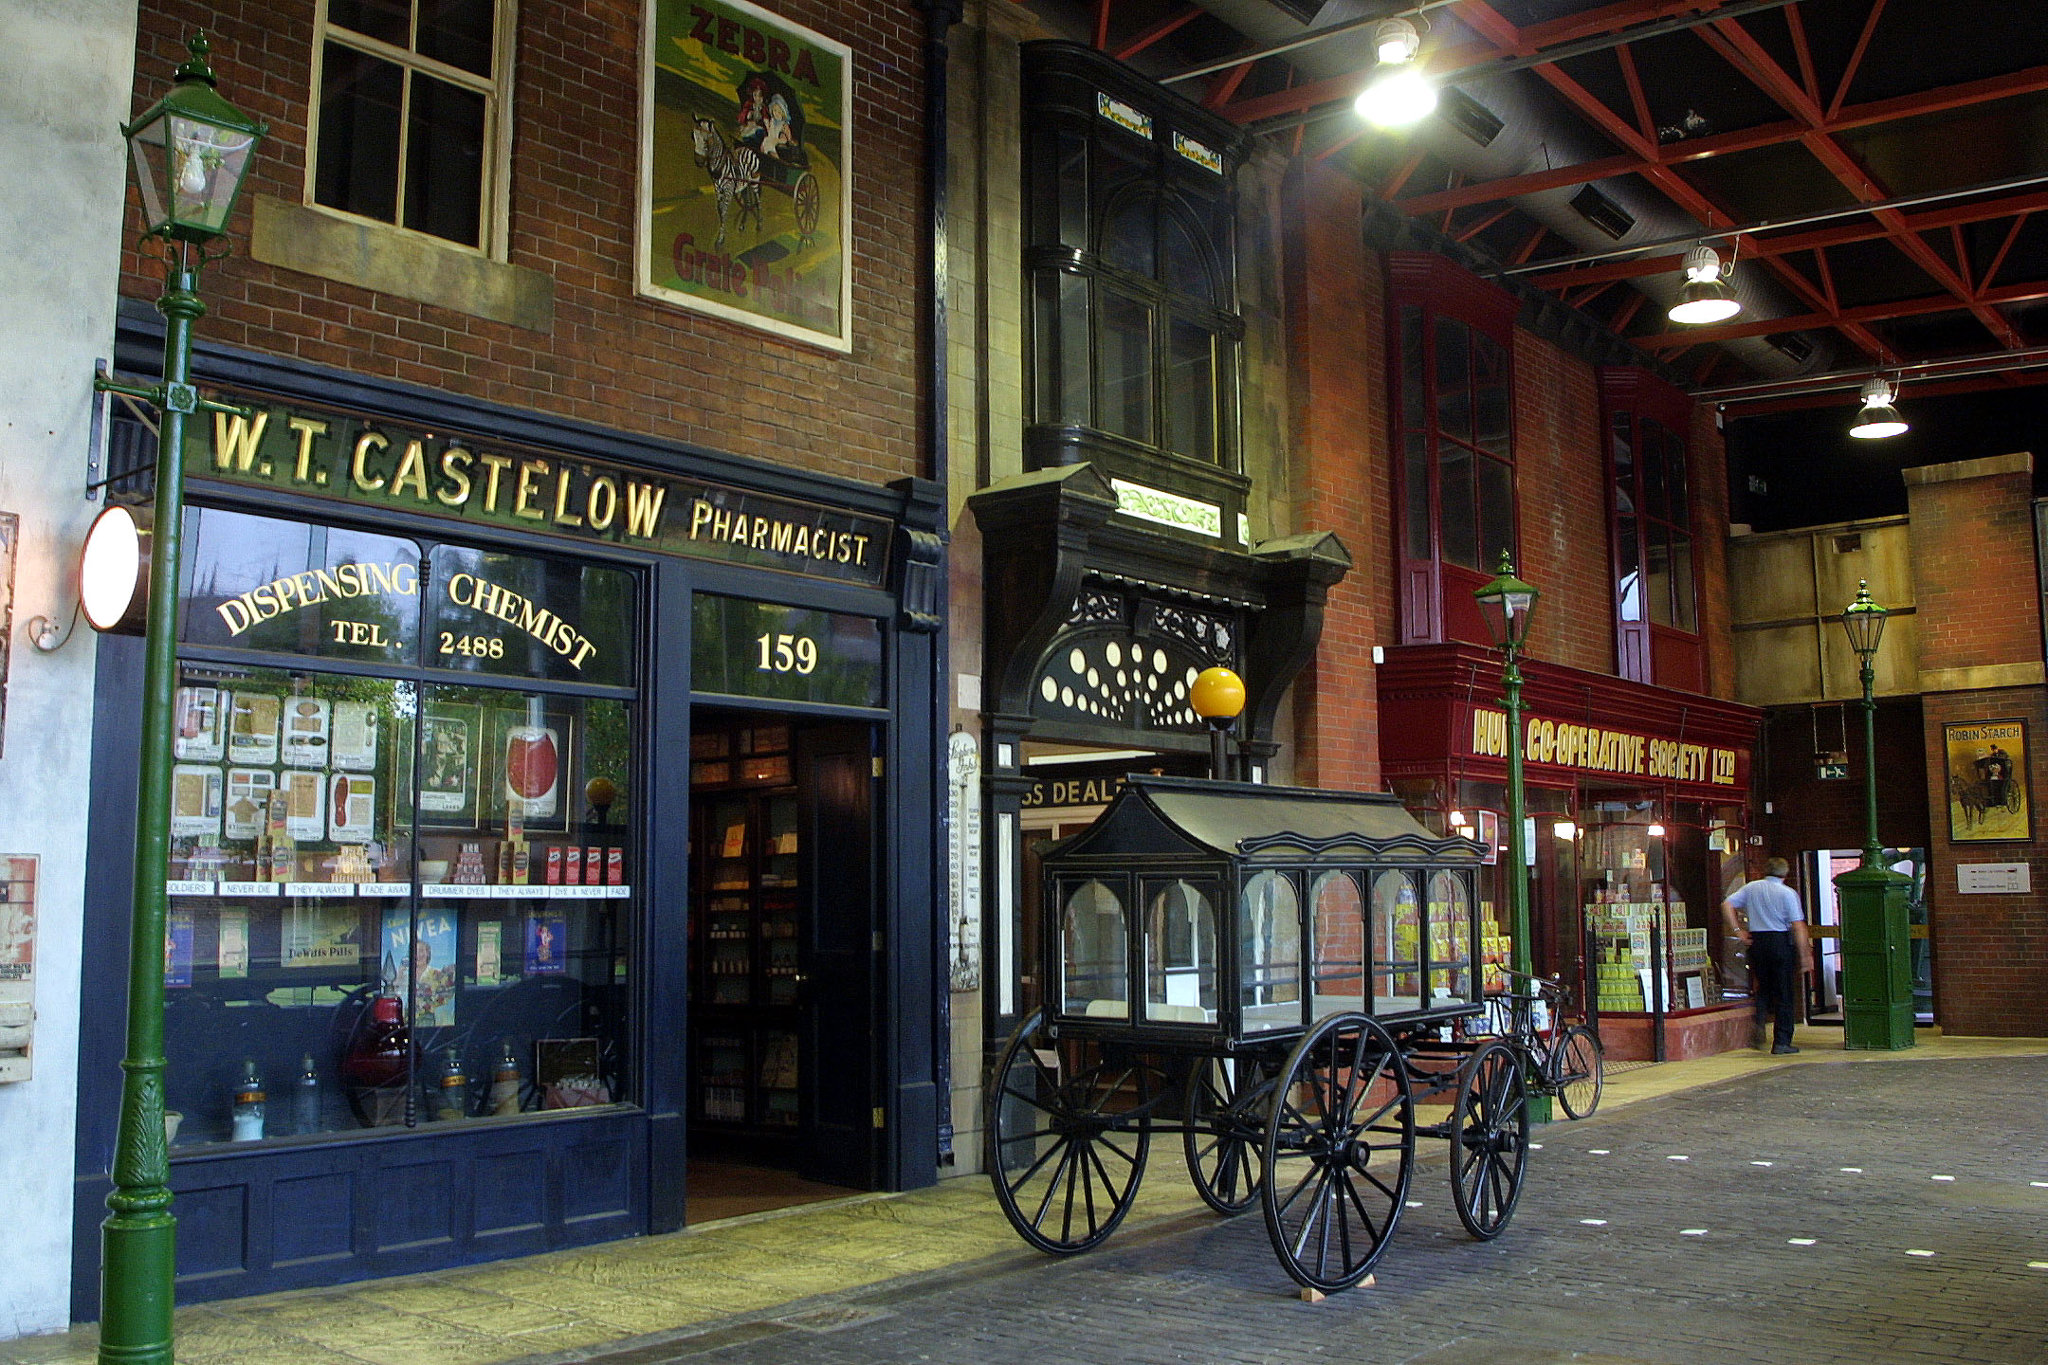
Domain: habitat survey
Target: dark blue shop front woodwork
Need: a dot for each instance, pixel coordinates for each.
(334, 1206)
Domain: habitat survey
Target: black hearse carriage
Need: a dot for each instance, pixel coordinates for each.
(1279, 975)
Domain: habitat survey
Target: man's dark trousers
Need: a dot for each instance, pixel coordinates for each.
(1776, 965)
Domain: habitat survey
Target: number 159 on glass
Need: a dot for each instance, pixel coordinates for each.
(787, 653)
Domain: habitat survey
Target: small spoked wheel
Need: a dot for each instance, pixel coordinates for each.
(1576, 1071)
(1224, 1133)
(1490, 1139)
(1069, 1128)
(1340, 1144)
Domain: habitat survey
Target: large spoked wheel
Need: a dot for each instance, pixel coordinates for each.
(804, 203)
(1068, 1132)
(1224, 1134)
(1340, 1144)
(1490, 1139)
(1577, 1072)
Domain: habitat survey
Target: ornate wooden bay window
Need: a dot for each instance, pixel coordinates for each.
(1131, 260)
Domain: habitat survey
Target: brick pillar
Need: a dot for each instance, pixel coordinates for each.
(1978, 621)
(1337, 329)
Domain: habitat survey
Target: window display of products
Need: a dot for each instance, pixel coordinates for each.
(1646, 945)
(359, 805)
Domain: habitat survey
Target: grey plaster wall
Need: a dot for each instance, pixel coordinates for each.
(65, 81)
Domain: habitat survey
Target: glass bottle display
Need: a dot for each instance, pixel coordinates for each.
(306, 1098)
(250, 1106)
(505, 1081)
(451, 1089)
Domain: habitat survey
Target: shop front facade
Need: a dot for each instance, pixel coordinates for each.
(1638, 819)
(551, 807)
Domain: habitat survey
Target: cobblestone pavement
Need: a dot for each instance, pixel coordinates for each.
(1885, 1212)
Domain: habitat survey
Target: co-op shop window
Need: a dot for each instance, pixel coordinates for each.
(410, 115)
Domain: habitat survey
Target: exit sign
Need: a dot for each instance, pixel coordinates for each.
(1830, 772)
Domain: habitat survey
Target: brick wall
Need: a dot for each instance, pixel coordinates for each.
(1975, 589)
(1973, 568)
(1990, 952)
(1809, 813)
(611, 357)
(1561, 496)
(1336, 311)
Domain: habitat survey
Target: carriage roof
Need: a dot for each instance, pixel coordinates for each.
(1252, 823)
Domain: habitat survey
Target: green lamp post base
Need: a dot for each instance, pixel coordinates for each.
(1877, 982)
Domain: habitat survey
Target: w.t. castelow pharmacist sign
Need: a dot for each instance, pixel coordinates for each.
(378, 464)
(745, 193)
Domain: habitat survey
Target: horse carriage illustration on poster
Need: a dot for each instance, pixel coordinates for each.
(767, 151)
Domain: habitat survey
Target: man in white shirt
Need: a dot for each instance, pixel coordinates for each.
(1774, 931)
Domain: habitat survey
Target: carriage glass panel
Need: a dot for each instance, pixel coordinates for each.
(1450, 940)
(1180, 953)
(1395, 932)
(1338, 982)
(1095, 947)
(1269, 953)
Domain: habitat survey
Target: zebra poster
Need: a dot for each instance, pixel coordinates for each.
(745, 190)
(1988, 793)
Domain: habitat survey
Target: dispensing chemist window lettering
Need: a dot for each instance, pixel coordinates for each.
(316, 586)
(492, 599)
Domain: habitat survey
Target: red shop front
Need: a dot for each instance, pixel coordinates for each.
(1637, 807)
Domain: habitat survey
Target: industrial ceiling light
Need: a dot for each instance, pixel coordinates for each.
(1879, 418)
(1396, 41)
(1705, 295)
(1400, 94)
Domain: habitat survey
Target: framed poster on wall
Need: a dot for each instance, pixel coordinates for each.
(451, 754)
(745, 193)
(530, 757)
(1989, 801)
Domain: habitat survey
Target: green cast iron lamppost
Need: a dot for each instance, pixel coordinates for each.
(1507, 603)
(1877, 993)
(191, 150)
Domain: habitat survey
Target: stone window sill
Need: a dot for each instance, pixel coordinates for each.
(374, 256)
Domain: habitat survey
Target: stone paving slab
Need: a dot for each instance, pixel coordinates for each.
(890, 1272)
(1805, 1224)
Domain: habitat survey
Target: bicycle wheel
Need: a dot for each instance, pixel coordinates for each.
(1224, 1132)
(1068, 1130)
(1576, 1071)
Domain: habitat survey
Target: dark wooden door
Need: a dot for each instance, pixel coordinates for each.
(839, 1068)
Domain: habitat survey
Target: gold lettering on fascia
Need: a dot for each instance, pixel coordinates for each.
(314, 586)
(523, 613)
(429, 473)
(1593, 749)
(1073, 791)
(800, 540)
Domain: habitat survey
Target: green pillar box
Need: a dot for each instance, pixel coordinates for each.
(1877, 977)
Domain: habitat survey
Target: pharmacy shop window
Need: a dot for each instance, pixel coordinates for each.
(404, 865)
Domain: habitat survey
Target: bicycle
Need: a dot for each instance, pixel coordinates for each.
(1565, 1054)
